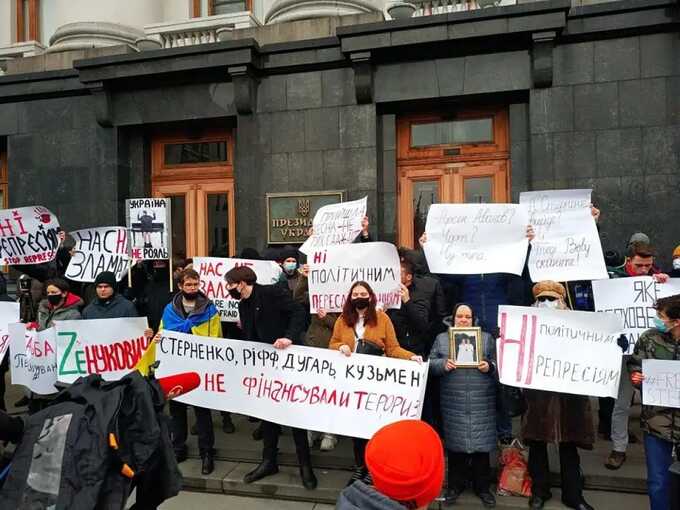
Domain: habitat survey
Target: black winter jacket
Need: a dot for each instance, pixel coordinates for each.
(270, 313)
(116, 308)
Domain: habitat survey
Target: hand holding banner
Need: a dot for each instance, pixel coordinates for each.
(28, 235)
(661, 386)
(99, 249)
(33, 358)
(335, 224)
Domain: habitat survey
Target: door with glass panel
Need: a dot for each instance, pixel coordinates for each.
(197, 175)
(460, 158)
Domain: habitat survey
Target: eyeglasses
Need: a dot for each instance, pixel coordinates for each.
(546, 298)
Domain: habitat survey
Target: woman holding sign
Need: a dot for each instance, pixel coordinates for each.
(468, 402)
(363, 329)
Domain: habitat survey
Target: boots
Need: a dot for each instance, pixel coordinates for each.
(267, 467)
(309, 480)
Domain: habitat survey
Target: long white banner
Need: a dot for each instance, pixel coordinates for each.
(212, 271)
(333, 270)
(99, 249)
(335, 224)
(304, 387)
(559, 350)
(9, 314)
(567, 245)
(476, 238)
(633, 299)
(33, 358)
(28, 235)
(661, 386)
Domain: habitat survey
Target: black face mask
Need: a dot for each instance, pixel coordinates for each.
(190, 296)
(54, 299)
(360, 303)
(235, 293)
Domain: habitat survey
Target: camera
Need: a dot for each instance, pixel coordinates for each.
(24, 283)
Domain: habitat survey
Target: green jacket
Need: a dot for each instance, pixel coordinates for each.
(662, 422)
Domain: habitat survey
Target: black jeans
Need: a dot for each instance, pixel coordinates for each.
(179, 428)
(604, 415)
(359, 451)
(466, 467)
(270, 440)
(570, 472)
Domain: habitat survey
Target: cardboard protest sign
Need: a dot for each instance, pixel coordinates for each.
(109, 347)
(9, 314)
(567, 245)
(28, 235)
(148, 220)
(332, 272)
(633, 299)
(99, 249)
(213, 285)
(559, 350)
(304, 387)
(33, 358)
(476, 238)
(661, 386)
(335, 224)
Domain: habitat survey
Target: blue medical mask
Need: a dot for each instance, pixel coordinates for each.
(289, 267)
(660, 325)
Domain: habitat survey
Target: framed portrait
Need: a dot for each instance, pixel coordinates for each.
(465, 346)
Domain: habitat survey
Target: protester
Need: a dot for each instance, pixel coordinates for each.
(406, 462)
(661, 431)
(675, 272)
(468, 402)
(560, 418)
(269, 315)
(364, 329)
(108, 304)
(289, 265)
(156, 294)
(59, 305)
(190, 311)
(639, 262)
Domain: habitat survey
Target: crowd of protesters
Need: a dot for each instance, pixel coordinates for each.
(467, 408)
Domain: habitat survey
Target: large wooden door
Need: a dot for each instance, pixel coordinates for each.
(454, 159)
(197, 174)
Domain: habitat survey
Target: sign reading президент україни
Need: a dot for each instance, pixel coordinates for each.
(303, 387)
(28, 235)
(559, 350)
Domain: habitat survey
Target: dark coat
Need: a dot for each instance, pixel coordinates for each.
(360, 496)
(152, 303)
(115, 308)
(270, 313)
(70, 310)
(320, 330)
(468, 399)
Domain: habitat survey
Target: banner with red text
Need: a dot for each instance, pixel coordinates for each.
(559, 350)
(109, 347)
(99, 249)
(33, 358)
(9, 314)
(335, 224)
(212, 271)
(333, 270)
(304, 387)
(28, 235)
(148, 221)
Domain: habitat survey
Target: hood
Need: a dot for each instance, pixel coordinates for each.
(202, 302)
(72, 301)
(360, 496)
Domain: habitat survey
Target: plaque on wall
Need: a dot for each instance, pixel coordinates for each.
(290, 215)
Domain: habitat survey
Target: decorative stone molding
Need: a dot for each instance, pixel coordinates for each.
(363, 76)
(19, 50)
(542, 47)
(102, 98)
(199, 30)
(294, 10)
(82, 35)
(245, 88)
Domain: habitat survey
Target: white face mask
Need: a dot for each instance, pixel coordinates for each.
(676, 263)
(548, 304)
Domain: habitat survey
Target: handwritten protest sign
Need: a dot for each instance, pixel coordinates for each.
(336, 224)
(148, 220)
(28, 235)
(476, 238)
(567, 246)
(633, 299)
(99, 249)
(304, 387)
(9, 314)
(33, 358)
(213, 285)
(661, 386)
(559, 350)
(109, 347)
(333, 271)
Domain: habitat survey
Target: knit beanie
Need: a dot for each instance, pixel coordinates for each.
(106, 277)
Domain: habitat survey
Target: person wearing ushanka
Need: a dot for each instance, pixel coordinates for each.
(108, 304)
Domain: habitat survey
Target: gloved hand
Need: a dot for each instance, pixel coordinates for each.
(622, 342)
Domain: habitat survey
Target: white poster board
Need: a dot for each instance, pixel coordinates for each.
(661, 386)
(476, 238)
(109, 347)
(28, 235)
(567, 245)
(9, 314)
(148, 220)
(335, 224)
(99, 249)
(559, 350)
(633, 299)
(332, 272)
(213, 285)
(304, 387)
(33, 358)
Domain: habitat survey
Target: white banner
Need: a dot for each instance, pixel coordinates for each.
(33, 358)
(661, 386)
(110, 347)
(212, 271)
(333, 271)
(148, 220)
(304, 387)
(335, 224)
(28, 235)
(9, 314)
(567, 245)
(559, 350)
(476, 238)
(99, 249)
(633, 299)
